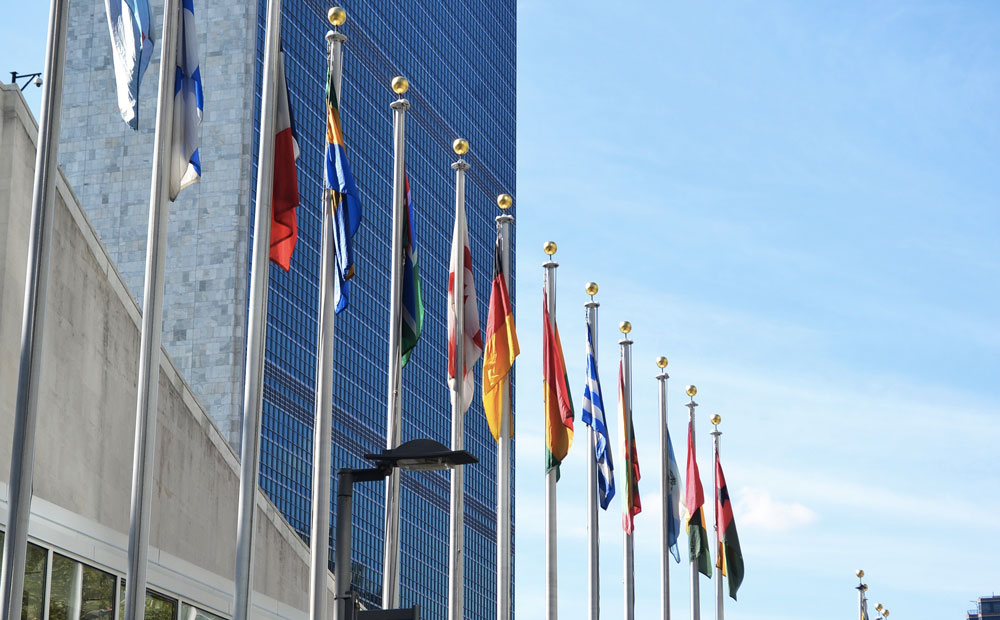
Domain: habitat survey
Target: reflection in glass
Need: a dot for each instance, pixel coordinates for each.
(193, 613)
(80, 592)
(34, 584)
(158, 607)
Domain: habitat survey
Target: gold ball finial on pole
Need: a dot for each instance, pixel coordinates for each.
(661, 362)
(691, 390)
(505, 201)
(400, 85)
(550, 247)
(591, 288)
(716, 419)
(337, 16)
(878, 607)
(625, 327)
(460, 146)
(860, 573)
(886, 613)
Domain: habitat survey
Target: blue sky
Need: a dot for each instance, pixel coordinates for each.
(799, 204)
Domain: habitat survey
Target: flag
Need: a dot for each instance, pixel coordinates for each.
(412, 314)
(729, 558)
(185, 165)
(340, 194)
(472, 337)
(697, 534)
(593, 416)
(675, 499)
(631, 500)
(131, 29)
(558, 402)
(501, 345)
(285, 191)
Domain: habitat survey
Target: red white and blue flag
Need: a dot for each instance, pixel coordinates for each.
(189, 101)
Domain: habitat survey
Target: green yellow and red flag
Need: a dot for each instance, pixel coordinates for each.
(698, 545)
(558, 402)
(501, 346)
(729, 558)
(631, 498)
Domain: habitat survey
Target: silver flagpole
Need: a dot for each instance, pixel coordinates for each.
(665, 485)
(456, 544)
(862, 588)
(593, 527)
(695, 586)
(504, 223)
(36, 280)
(626, 352)
(719, 599)
(253, 386)
(319, 536)
(390, 564)
(551, 559)
(152, 325)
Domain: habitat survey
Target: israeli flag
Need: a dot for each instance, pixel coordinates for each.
(131, 48)
(185, 165)
(593, 415)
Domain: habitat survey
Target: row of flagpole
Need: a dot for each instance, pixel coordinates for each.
(862, 589)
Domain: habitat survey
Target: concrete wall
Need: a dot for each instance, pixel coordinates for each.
(86, 418)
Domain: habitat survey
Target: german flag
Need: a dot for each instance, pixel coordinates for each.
(697, 534)
(558, 402)
(501, 346)
(729, 558)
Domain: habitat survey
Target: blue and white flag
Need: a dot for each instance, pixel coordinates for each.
(675, 499)
(131, 48)
(185, 165)
(593, 415)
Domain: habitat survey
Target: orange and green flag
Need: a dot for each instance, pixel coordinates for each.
(558, 402)
(501, 346)
(729, 558)
(698, 545)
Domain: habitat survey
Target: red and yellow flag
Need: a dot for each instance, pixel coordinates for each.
(729, 557)
(501, 347)
(698, 545)
(631, 498)
(558, 402)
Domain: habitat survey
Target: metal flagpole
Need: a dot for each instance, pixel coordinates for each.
(665, 486)
(390, 574)
(719, 599)
(152, 325)
(593, 527)
(504, 224)
(456, 550)
(626, 352)
(33, 319)
(253, 386)
(695, 586)
(551, 560)
(862, 603)
(319, 537)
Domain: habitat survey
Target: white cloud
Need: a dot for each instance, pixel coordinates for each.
(755, 508)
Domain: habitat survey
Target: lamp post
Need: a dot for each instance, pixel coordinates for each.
(415, 455)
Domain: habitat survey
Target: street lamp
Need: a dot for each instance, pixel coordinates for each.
(415, 455)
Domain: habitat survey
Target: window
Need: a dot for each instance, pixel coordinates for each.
(80, 591)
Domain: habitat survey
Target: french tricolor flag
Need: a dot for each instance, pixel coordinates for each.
(285, 191)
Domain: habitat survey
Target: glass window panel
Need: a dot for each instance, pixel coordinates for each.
(32, 603)
(189, 612)
(158, 607)
(80, 592)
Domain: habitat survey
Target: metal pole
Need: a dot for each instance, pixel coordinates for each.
(504, 223)
(320, 530)
(152, 325)
(253, 387)
(342, 567)
(551, 560)
(665, 506)
(593, 526)
(456, 551)
(695, 586)
(719, 599)
(390, 576)
(626, 352)
(33, 319)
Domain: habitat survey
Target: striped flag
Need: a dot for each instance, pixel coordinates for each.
(675, 501)
(729, 558)
(131, 29)
(285, 190)
(501, 345)
(698, 545)
(412, 314)
(185, 165)
(631, 501)
(593, 416)
(340, 193)
(471, 335)
(558, 402)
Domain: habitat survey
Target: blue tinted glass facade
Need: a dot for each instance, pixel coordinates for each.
(460, 60)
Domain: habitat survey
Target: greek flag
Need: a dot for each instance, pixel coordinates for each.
(131, 49)
(593, 415)
(185, 165)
